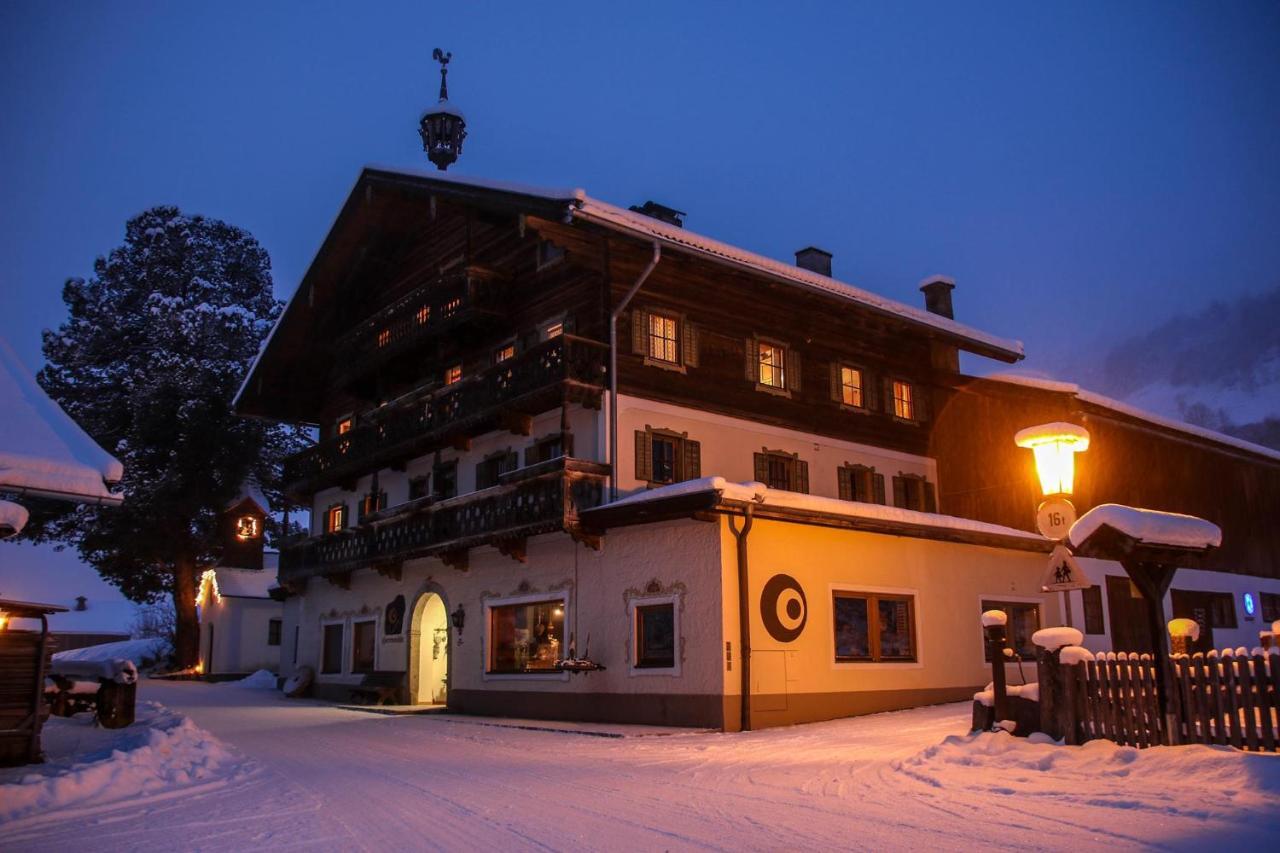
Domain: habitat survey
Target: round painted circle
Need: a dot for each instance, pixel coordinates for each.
(783, 608)
(1054, 518)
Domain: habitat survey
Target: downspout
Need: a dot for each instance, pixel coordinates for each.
(613, 369)
(744, 613)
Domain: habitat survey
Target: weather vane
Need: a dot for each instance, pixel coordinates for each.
(443, 58)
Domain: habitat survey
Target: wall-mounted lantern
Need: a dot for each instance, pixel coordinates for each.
(458, 617)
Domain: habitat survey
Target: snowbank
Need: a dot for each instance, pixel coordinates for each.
(261, 680)
(143, 653)
(161, 751)
(1148, 526)
(987, 696)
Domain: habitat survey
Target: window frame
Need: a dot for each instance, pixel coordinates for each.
(1268, 601)
(873, 595)
(911, 400)
(797, 469)
(452, 375)
(548, 254)
(680, 443)
(491, 604)
(351, 652)
(325, 625)
(861, 405)
(340, 507)
(504, 347)
(984, 602)
(780, 370)
(450, 465)
(275, 629)
(1101, 613)
(634, 606)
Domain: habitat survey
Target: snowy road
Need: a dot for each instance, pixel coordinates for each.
(318, 777)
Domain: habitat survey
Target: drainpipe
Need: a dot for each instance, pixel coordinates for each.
(744, 612)
(613, 370)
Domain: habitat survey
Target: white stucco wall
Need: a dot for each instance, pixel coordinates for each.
(240, 632)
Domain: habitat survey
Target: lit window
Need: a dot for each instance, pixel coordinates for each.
(384, 337)
(554, 330)
(874, 627)
(1023, 620)
(781, 470)
(423, 315)
(363, 644)
(903, 405)
(772, 361)
(505, 353)
(851, 386)
(335, 518)
(453, 374)
(451, 307)
(344, 426)
(247, 527)
(662, 338)
(656, 636)
(526, 637)
(663, 457)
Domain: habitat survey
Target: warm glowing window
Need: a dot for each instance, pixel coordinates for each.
(384, 337)
(335, 518)
(451, 307)
(903, 401)
(247, 527)
(663, 344)
(554, 330)
(851, 386)
(423, 315)
(453, 374)
(344, 426)
(526, 637)
(772, 361)
(504, 353)
(874, 627)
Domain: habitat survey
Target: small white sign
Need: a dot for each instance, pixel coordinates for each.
(1054, 518)
(1063, 573)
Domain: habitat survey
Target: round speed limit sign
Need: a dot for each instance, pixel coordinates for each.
(1055, 517)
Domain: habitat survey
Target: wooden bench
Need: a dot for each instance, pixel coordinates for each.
(379, 687)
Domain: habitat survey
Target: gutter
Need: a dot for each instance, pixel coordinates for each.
(613, 368)
(744, 612)
(92, 500)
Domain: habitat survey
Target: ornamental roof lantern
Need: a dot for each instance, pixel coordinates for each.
(442, 127)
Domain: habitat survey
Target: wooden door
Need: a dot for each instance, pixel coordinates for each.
(1127, 609)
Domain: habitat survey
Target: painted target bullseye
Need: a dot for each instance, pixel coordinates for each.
(783, 608)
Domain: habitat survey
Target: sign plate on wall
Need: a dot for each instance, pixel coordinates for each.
(1063, 573)
(1054, 518)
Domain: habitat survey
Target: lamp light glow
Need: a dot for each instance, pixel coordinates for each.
(1055, 446)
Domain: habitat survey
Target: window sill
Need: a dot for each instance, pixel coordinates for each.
(876, 665)
(857, 410)
(525, 676)
(673, 366)
(770, 389)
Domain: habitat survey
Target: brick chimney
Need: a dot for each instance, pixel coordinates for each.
(813, 259)
(937, 295)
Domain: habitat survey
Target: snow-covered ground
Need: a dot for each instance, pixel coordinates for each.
(305, 775)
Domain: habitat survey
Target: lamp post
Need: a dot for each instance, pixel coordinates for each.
(442, 127)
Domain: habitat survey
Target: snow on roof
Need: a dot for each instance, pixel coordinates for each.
(762, 495)
(41, 449)
(250, 490)
(12, 517)
(548, 193)
(1119, 407)
(652, 229)
(443, 107)
(236, 583)
(1148, 526)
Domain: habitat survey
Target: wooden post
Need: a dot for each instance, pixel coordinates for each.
(995, 645)
(1153, 580)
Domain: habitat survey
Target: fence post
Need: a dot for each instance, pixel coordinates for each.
(993, 625)
(1182, 633)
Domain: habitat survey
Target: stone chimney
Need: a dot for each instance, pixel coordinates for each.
(813, 259)
(937, 295)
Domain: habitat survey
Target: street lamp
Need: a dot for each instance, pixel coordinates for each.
(1055, 446)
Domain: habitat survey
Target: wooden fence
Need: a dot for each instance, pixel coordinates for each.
(1229, 698)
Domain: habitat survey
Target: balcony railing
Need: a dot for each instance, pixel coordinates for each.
(563, 368)
(541, 499)
(436, 307)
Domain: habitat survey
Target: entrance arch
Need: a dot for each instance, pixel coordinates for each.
(429, 650)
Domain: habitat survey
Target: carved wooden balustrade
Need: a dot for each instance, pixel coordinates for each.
(562, 369)
(542, 498)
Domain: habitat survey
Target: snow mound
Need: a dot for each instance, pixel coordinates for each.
(1071, 655)
(161, 751)
(261, 680)
(994, 617)
(1056, 638)
(143, 653)
(1100, 773)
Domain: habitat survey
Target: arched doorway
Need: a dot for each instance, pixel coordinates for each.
(429, 651)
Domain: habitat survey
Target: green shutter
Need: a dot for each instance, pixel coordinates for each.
(644, 456)
(689, 343)
(793, 370)
(844, 477)
(639, 322)
(692, 459)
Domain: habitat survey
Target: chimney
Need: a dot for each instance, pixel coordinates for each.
(82, 603)
(813, 259)
(937, 295)
(661, 212)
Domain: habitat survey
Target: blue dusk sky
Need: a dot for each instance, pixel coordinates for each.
(1083, 170)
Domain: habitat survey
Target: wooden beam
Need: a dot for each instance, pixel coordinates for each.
(516, 549)
(594, 541)
(517, 423)
(456, 559)
(462, 442)
(340, 579)
(393, 570)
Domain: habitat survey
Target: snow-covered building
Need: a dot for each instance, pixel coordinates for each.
(241, 624)
(578, 461)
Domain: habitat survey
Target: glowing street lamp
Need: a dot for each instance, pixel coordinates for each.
(1055, 446)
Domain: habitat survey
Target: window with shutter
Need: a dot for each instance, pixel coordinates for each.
(644, 456)
(418, 487)
(858, 483)
(778, 469)
(877, 485)
(664, 456)
(912, 491)
(902, 394)
(445, 478)
(663, 341)
(690, 344)
(847, 385)
(773, 365)
(844, 480)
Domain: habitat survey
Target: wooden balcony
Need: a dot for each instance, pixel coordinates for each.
(543, 498)
(563, 369)
(437, 307)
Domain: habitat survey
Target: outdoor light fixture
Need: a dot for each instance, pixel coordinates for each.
(458, 617)
(1055, 446)
(442, 127)
(246, 527)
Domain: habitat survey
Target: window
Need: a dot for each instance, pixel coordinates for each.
(453, 374)
(1270, 606)
(546, 449)
(364, 637)
(903, 400)
(872, 627)
(490, 471)
(663, 340)
(274, 627)
(1092, 598)
(418, 487)
(773, 368)
(663, 456)
(424, 315)
(1222, 608)
(451, 307)
(344, 425)
(860, 483)
(552, 330)
(335, 518)
(371, 503)
(526, 637)
(384, 337)
(548, 253)
(1024, 620)
(913, 491)
(247, 527)
(780, 470)
(851, 386)
(297, 633)
(331, 648)
(504, 353)
(656, 636)
(445, 475)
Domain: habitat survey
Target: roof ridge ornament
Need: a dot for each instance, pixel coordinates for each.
(442, 127)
